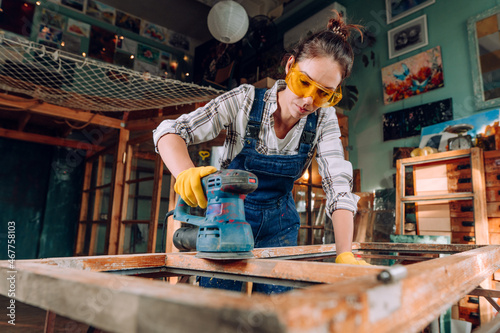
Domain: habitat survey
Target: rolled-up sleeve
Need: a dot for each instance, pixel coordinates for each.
(335, 171)
(204, 123)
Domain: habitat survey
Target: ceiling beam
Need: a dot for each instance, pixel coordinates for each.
(43, 139)
(23, 104)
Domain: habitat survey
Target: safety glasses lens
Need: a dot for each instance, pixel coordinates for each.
(301, 85)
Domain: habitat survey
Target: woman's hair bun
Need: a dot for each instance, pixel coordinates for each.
(338, 26)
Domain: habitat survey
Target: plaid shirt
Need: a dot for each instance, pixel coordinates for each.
(230, 111)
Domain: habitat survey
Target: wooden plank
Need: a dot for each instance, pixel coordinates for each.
(153, 122)
(363, 216)
(58, 111)
(103, 262)
(441, 197)
(126, 189)
(400, 192)
(96, 207)
(480, 209)
(155, 204)
(306, 271)
(439, 157)
(48, 140)
(117, 193)
(80, 237)
(172, 225)
(418, 248)
(50, 322)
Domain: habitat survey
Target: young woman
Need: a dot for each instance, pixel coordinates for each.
(274, 134)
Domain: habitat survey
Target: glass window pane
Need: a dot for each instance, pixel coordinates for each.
(136, 238)
(107, 172)
(90, 208)
(302, 239)
(409, 186)
(318, 204)
(93, 177)
(86, 244)
(316, 178)
(139, 201)
(318, 236)
(142, 168)
(103, 216)
(100, 241)
(300, 197)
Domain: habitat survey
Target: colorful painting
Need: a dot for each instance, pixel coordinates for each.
(155, 32)
(55, 20)
(148, 54)
(78, 28)
(128, 22)
(101, 11)
(413, 76)
(49, 34)
(483, 124)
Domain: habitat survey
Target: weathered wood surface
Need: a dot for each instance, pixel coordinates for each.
(361, 304)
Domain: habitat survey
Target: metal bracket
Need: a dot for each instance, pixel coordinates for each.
(385, 299)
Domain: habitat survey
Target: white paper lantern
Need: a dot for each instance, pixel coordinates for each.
(227, 21)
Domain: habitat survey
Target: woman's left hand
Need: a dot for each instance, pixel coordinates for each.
(348, 258)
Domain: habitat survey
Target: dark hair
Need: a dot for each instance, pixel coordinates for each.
(331, 42)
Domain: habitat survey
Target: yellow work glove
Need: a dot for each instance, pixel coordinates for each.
(188, 185)
(348, 258)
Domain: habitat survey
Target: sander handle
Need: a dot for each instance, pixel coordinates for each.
(181, 213)
(225, 182)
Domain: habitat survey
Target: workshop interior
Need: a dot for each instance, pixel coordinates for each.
(95, 238)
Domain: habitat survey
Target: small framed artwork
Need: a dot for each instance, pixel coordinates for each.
(408, 37)
(396, 9)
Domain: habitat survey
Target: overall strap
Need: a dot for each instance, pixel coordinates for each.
(309, 133)
(253, 126)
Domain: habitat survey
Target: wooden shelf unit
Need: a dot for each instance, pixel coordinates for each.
(475, 192)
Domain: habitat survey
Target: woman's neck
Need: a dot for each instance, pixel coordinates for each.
(283, 121)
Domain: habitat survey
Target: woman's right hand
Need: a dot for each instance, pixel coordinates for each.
(188, 185)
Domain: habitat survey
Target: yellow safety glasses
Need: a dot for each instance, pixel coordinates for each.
(301, 85)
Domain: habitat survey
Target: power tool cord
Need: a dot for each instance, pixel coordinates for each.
(164, 230)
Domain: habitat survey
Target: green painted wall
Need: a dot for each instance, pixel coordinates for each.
(41, 192)
(447, 27)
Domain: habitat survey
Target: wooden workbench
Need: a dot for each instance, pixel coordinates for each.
(329, 297)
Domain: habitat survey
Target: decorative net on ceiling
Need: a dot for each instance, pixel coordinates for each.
(73, 81)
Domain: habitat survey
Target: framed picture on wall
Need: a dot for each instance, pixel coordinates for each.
(396, 9)
(413, 76)
(407, 37)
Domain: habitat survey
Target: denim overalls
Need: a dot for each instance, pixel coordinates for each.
(270, 209)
